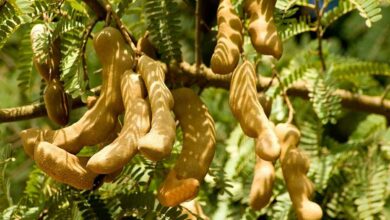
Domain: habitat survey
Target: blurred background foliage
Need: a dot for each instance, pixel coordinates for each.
(349, 150)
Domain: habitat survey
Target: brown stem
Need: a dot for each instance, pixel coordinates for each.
(198, 55)
(286, 98)
(87, 32)
(319, 31)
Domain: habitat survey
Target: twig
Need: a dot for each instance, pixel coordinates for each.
(129, 38)
(198, 54)
(87, 32)
(319, 31)
(286, 98)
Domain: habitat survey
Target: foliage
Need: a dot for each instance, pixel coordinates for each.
(349, 151)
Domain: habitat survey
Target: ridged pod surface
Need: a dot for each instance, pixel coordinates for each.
(136, 123)
(182, 182)
(63, 166)
(262, 29)
(263, 180)
(158, 142)
(229, 39)
(295, 165)
(247, 110)
(98, 122)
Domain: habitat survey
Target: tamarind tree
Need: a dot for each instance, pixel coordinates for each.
(194, 109)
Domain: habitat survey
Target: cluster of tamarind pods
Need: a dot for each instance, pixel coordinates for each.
(149, 127)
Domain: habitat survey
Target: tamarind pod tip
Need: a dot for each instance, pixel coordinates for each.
(30, 138)
(261, 188)
(267, 146)
(309, 211)
(152, 149)
(175, 191)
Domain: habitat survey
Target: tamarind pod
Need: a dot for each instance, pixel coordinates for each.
(48, 69)
(197, 152)
(174, 191)
(98, 122)
(263, 180)
(229, 44)
(295, 165)
(145, 46)
(262, 29)
(56, 103)
(136, 124)
(247, 110)
(63, 166)
(158, 142)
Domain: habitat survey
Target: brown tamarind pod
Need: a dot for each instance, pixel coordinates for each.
(183, 180)
(229, 39)
(136, 124)
(295, 165)
(247, 110)
(262, 29)
(263, 180)
(63, 166)
(49, 68)
(158, 142)
(56, 103)
(145, 46)
(98, 122)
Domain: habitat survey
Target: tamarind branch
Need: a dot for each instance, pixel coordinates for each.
(357, 102)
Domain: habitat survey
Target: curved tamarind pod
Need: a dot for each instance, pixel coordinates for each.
(48, 69)
(158, 142)
(56, 103)
(98, 122)
(263, 180)
(295, 165)
(145, 46)
(197, 153)
(247, 110)
(229, 44)
(63, 166)
(136, 124)
(262, 29)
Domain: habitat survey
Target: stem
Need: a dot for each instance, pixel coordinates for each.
(87, 33)
(319, 31)
(125, 32)
(198, 55)
(286, 98)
